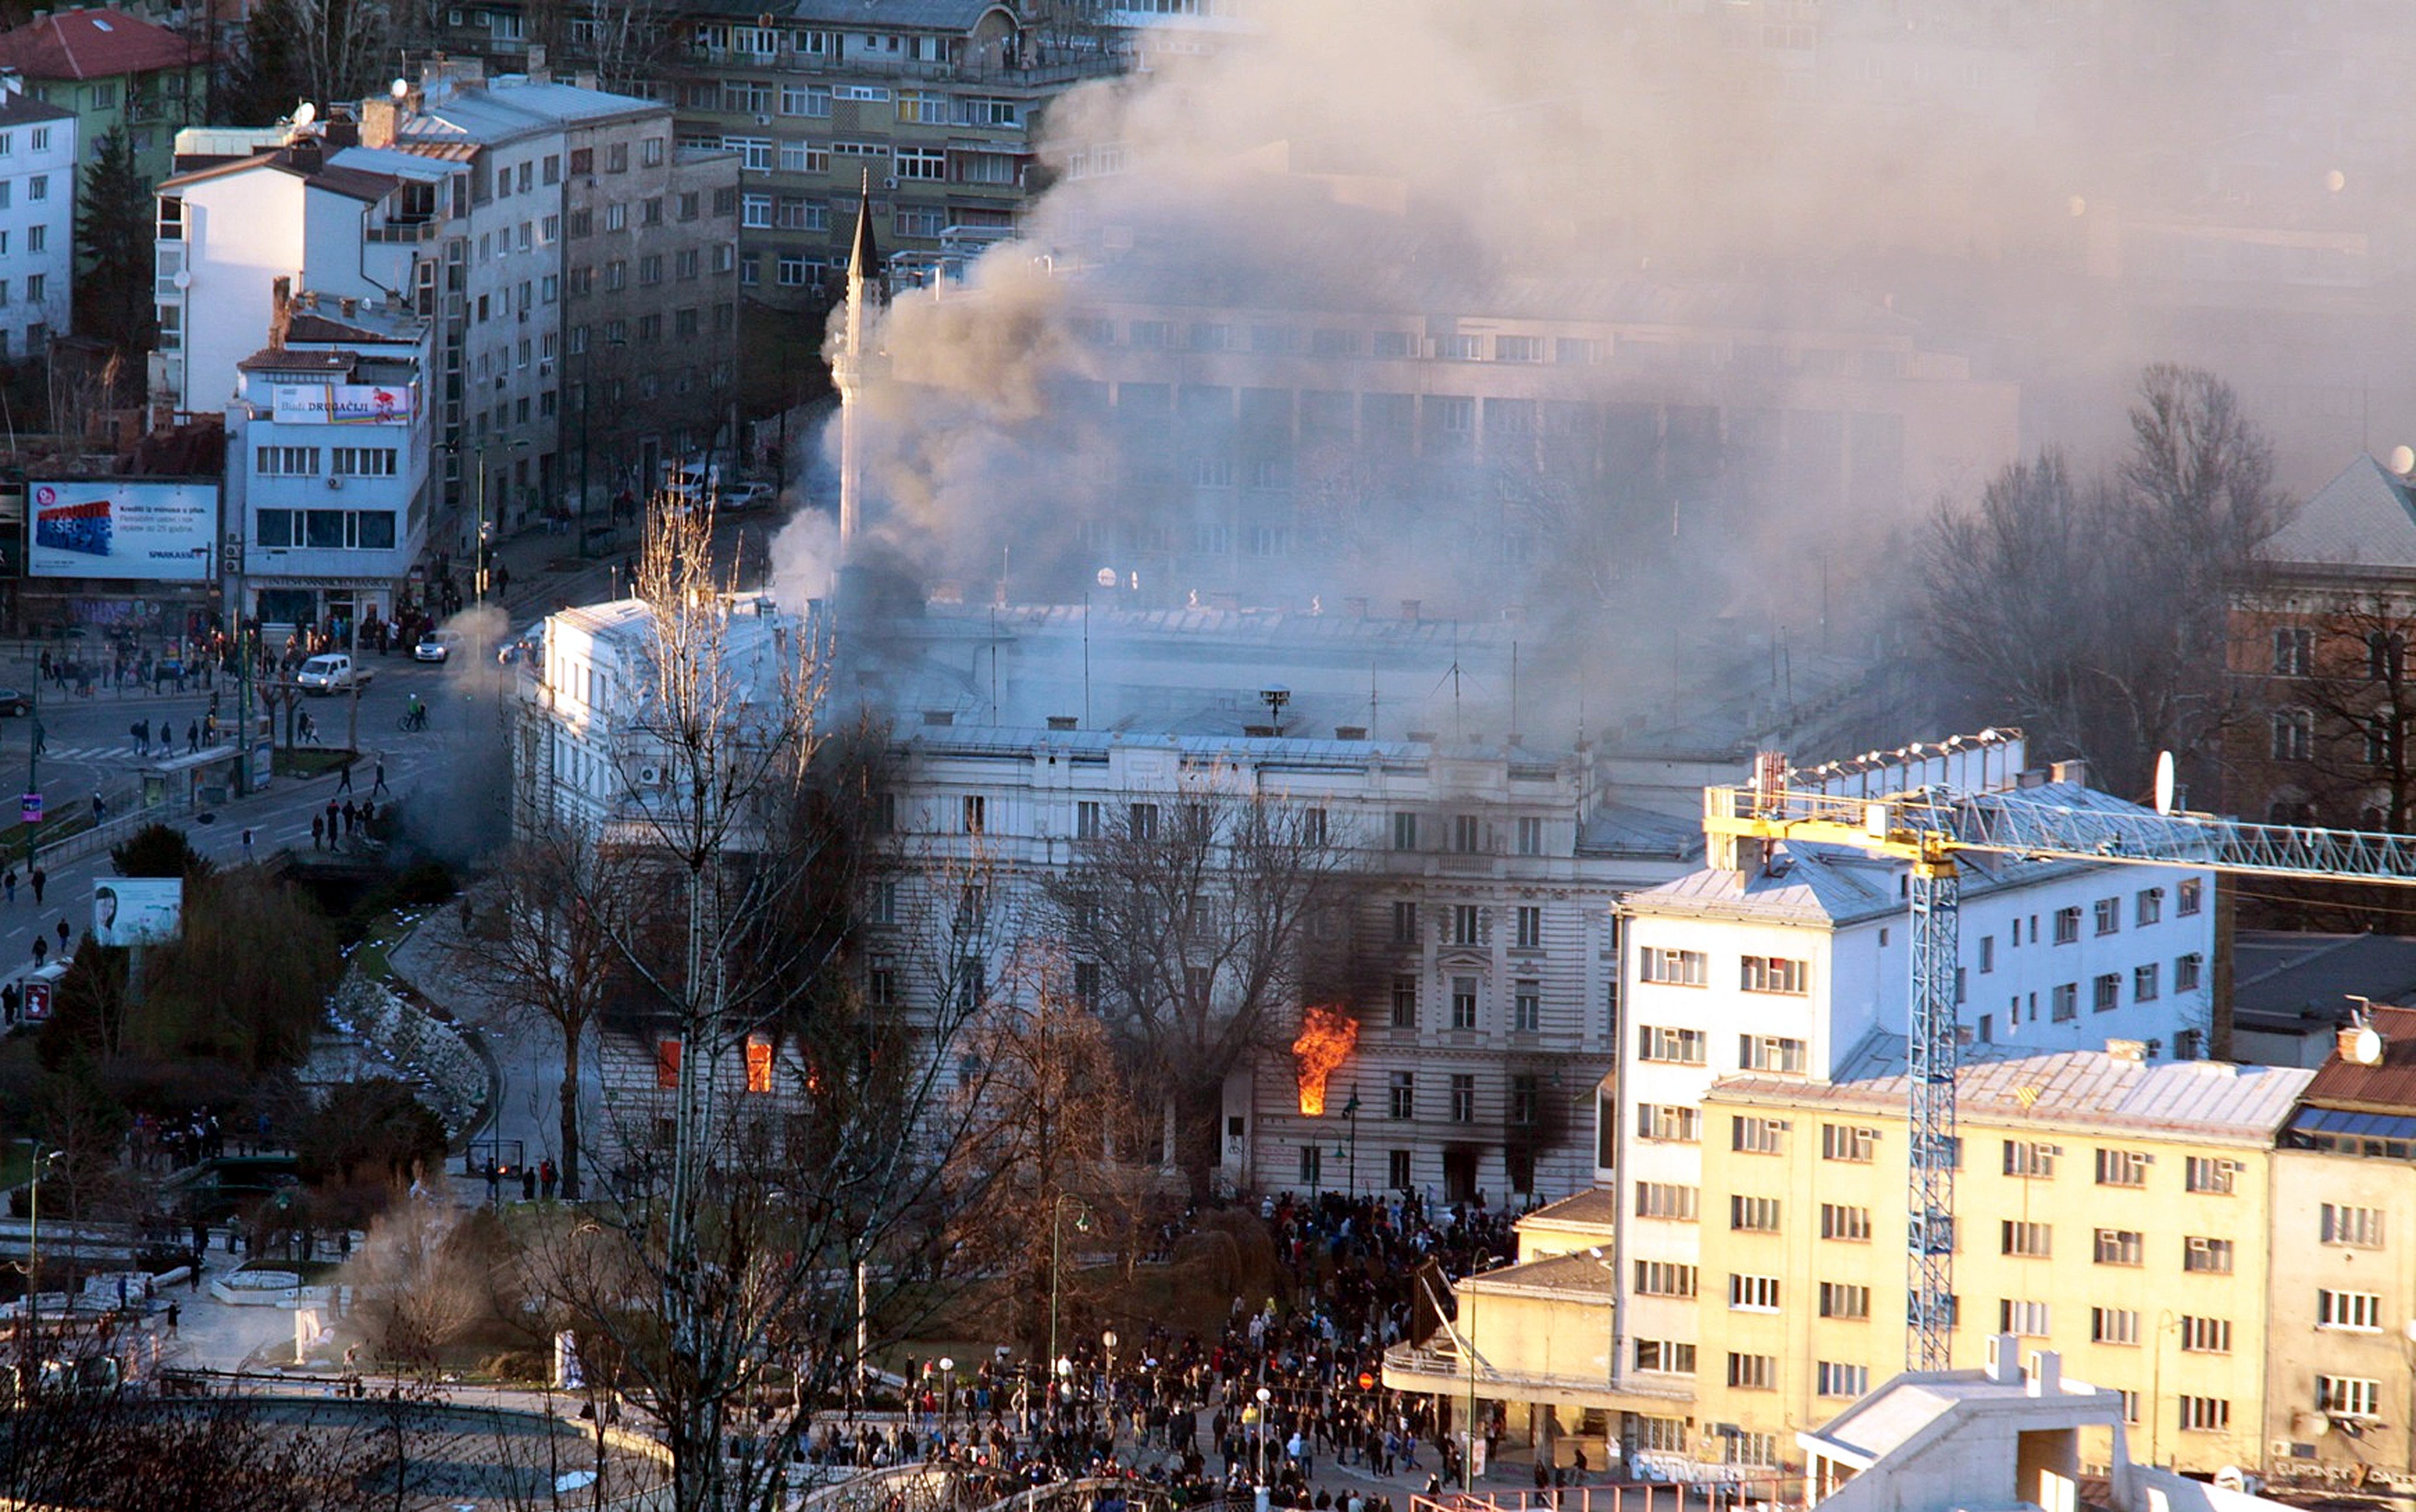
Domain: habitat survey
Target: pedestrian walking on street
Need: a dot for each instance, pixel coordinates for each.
(8, 882)
(379, 786)
(344, 775)
(352, 817)
(11, 1001)
(62, 936)
(41, 879)
(334, 817)
(247, 843)
(318, 831)
(42, 951)
(142, 733)
(192, 736)
(100, 809)
(175, 1316)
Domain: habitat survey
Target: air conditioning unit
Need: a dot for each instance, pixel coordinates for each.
(889, 183)
(334, 482)
(650, 776)
(762, 120)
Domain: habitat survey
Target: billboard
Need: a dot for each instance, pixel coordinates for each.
(137, 911)
(114, 528)
(341, 404)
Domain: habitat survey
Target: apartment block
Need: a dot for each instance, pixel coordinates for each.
(113, 70)
(38, 201)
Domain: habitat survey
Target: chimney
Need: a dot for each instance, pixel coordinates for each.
(347, 305)
(380, 121)
(538, 72)
(280, 309)
(2134, 1052)
(341, 131)
(2046, 1373)
(1064, 721)
(2074, 772)
(1350, 732)
(2004, 1364)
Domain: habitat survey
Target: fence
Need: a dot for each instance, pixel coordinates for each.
(1719, 1494)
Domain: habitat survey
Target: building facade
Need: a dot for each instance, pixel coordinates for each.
(113, 70)
(37, 200)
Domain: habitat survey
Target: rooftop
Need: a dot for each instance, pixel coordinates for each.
(510, 107)
(1571, 1274)
(1594, 1207)
(2340, 1083)
(287, 360)
(2080, 1090)
(2365, 517)
(25, 110)
(1892, 1417)
(2284, 977)
(95, 44)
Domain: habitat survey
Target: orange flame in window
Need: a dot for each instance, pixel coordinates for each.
(1326, 1035)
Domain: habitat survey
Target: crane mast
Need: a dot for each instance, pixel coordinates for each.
(1927, 827)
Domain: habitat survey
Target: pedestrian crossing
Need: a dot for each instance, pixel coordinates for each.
(52, 750)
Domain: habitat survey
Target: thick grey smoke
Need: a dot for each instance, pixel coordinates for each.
(1821, 264)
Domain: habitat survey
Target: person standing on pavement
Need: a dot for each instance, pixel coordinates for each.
(42, 951)
(63, 937)
(8, 882)
(41, 879)
(247, 843)
(379, 786)
(192, 736)
(318, 831)
(344, 775)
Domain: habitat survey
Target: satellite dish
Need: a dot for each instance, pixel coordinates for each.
(2366, 1049)
(1106, 577)
(400, 88)
(182, 279)
(2076, 206)
(2164, 782)
(2403, 459)
(2336, 181)
(303, 115)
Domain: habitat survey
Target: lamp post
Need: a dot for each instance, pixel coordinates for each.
(1057, 1253)
(1265, 1397)
(947, 1391)
(40, 1166)
(1064, 1392)
(1351, 1118)
(1107, 1381)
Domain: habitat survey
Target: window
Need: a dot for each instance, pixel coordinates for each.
(2121, 1247)
(2106, 992)
(1679, 1047)
(1405, 832)
(365, 461)
(1527, 1007)
(2066, 1001)
(1086, 819)
(1840, 1300)
(38, 186)
(1753, 1372)
(1523, 1103)
(1666, 1200)
(1405, 1002)
(1665, 1357)
(1467, 834)
(2067, 925)
(1756, 1135)
(1401, 1096)
(285, 461)
(1313, 829)
(2029, 1158)
(1405, 923)
(1664, 1277)
(928, 164)
(2016, 1316)
(2143, 983)
(1463, 1098)
(1848, 1142)
(1987, 953)
(1463, 1002)
(1753, 1215)
(2206, 1414)
(1397, 1169)
(976, 814)
(1143, 821)
(1839, 1221)
(1753, 1293)
(2202, 1256)
(2034, 1241)
(1673, 968)
(1531, 836)
(2294, 734)
(1467, 924)
(2122, 1168)
(2349, 1396)
(2357, 1311)
(1667, 1124)
(1775, 974)
(2186, 972)
(1769, 1052)
(1530, 927)
(37, 289)
(2204, 1173)
(2190, 895)
(2113, 1326)
(2149, 908)
(1832, 1379)
(755, 211)
(2294, 650)
(2206, 1336)
(2109, 915)
(2359, 1228)
(1661, 1435)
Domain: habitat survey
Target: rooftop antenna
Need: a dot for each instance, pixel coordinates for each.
(1107, 579)
(1457, 731)
(1513, 692)
(1372, 732)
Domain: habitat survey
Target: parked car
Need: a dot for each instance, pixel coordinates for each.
(745, 496)
(334, 672)
(14, 702)
(436, 646)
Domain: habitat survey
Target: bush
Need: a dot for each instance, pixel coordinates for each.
(371, 1131)
(425, 882)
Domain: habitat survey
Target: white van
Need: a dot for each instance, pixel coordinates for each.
(332, 673)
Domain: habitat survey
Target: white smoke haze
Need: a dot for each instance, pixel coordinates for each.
(1994, 220)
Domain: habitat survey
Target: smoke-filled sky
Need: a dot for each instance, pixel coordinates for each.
(1833, 262)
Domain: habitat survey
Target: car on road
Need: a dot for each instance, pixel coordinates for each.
(528, 646)
(332, 673)
(745, 496)
(436, 646)
(13, 702)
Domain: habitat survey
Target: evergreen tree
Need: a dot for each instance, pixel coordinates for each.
(114, 243)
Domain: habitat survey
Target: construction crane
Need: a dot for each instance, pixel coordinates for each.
(1928, 827)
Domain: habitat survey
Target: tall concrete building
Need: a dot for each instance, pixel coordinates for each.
(37, 200)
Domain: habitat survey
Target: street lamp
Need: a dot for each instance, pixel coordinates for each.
(1056, 1254)
(40, 1166)
(1265, 1397)
(1107, 1340)
(947, 1390)
(1064, 1393)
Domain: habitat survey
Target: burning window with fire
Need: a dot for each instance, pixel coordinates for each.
(1327, 1034)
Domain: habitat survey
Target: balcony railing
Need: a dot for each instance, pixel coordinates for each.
(1034, 76)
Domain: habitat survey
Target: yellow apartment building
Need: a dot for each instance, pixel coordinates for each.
(2111, 1208)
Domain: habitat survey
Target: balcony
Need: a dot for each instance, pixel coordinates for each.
(995, 75)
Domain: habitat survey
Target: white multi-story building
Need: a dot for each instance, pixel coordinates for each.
(1784, 962)
(327, 451)
(37, 200)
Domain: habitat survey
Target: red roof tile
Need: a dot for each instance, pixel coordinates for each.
(2344, 1083)
(93, 44)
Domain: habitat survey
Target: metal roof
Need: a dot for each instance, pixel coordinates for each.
(1594, 1207)
(2078, 1089)
(2390, 1085)
(2364, 516)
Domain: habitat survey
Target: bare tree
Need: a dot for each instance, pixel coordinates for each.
(1197, 926)
(2095, 615)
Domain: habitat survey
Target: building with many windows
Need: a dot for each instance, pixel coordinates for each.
(37, 200)
(113, 70)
